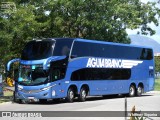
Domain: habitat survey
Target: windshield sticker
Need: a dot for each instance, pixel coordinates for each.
(20, 79)
(33, 67)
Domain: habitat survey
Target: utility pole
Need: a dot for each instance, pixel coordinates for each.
(125, 106)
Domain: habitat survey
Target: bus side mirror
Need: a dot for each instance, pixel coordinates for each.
(73, 56)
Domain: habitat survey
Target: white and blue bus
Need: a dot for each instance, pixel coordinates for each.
(68, 68)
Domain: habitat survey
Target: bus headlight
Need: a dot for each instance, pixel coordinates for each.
(20, 87)
(46, 88)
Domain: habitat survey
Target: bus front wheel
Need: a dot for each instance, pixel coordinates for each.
(43, 100)
(132, 91)
(83, 95)
(70, 95)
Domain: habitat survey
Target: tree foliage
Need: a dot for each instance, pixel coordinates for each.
(157, 64)
(91, 19)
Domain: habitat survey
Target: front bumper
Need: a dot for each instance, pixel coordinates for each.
(32, 94)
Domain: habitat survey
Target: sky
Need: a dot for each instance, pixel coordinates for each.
(156, 36)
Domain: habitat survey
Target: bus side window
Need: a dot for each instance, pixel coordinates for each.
(65, 50)
(149, 54)
(56, 74)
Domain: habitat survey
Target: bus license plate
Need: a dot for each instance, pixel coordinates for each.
(30, 98)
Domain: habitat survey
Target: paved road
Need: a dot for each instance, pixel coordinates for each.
(147, 102)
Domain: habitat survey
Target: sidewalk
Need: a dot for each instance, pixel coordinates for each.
(154, 92)
(7, 95)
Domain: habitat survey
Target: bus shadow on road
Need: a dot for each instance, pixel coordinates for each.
(89, 98)
(113, 97)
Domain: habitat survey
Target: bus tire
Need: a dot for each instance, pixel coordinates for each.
(139, 90)
(20, 101)
(14, 96)
(70, 95)
(57, 100)
(43, 100)
(83, 94)
(132, 91)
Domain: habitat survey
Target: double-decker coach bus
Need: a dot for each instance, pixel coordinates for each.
(68, 68)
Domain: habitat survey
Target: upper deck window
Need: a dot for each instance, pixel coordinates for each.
(89, 49)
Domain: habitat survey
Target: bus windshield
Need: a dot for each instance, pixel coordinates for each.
(42, 49)
(36, 50)
(32, 75)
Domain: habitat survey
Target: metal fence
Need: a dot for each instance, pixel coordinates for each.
(157, 75)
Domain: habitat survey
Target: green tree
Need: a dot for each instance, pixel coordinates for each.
(17, 28)
(157, 64)
(102, 19)
(91, 19)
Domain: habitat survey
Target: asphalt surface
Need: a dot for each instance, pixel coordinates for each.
(95, 105)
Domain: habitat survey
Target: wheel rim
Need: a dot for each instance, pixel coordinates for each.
(132, 91)
(139, 90)
(84, 94)
(71, 94)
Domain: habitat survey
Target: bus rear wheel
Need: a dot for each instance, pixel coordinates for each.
(139, 90)
(83, 95)
(132, 91)
(70, 95)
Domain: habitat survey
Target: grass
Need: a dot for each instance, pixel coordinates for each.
(157, 85)
(7, 96)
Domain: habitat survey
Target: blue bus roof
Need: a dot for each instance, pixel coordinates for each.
(98, 42)
(110, 43)
(58, 39)
(50, 39)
